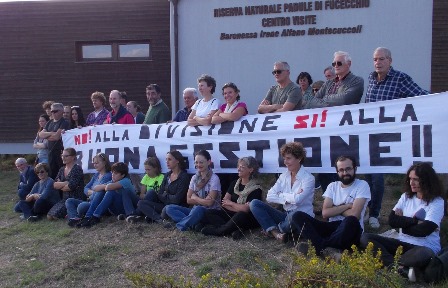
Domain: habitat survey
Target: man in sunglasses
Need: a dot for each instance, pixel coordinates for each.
(52, 132)
(285, 96)
(385, 83)
(344, 89)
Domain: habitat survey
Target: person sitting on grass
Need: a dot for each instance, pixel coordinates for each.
(69, 182)
(294, 190)
(172, 190)
(77, 208)
(235, 216)
(153, 176)
(417, 215)
(42, 197)
(120, 198)
(203, 193)
(344, 205)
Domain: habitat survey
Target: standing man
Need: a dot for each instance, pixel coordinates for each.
(52, 132)
(329, 73)
(190, 96)
(344, 204)
(285, 96)
(99, 115)
(67, 114)
(385, 83)
(119, 114)
(158, 112)
(344, 89)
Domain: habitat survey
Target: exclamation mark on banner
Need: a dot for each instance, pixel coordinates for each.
(324, 118)
(313, 123)
(90, 136)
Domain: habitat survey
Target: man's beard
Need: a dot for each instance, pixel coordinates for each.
(347, 179)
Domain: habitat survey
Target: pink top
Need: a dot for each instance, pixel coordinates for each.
(240, 104)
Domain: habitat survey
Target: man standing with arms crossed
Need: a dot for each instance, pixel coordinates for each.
(385, 83)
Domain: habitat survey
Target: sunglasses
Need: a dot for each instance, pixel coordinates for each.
(55, 111)
(276, 72)
(315, 89)
(338, 63)
(41, 172)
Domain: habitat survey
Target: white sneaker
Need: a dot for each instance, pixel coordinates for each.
(374, 223)
(411, 275)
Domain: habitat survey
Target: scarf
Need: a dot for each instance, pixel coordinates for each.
(229, 109)
(201, 182)
(248, 188)
(121, 112)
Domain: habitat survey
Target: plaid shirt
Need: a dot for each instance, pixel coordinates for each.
(182, 115)
(396, 85)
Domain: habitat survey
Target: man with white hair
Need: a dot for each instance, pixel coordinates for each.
(27, 178)
(285, 96)
(344, 89)
(190, 96)
(385, 83)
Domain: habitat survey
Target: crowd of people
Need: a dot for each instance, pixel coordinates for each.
(55, 186)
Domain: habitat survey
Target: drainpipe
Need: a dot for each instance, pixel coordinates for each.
(174, 51)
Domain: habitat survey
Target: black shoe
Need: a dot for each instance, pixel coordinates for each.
(89, 222)
(302, 248)
(121, 217)
(72, 222)
(133, 219)
(198, 227)
(209, 230)
(169, 225)
(237, 235)
(33, 218)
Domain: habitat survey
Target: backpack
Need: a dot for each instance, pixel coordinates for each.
(437, 269)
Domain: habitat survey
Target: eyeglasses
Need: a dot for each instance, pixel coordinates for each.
(55, 111)
(346, 170)
(316, 89)
(337, 63)
(41, 172)
(276, 72)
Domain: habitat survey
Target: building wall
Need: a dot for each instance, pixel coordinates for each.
(38, 58)
(439, 60)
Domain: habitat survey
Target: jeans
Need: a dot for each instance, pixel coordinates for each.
(150, 206)
(95, 200)
(72, 204)
(337, 234)
(117, 203)
(271, 218)
(38, 207)
(413, 255)
(376, 184)
(184, 217)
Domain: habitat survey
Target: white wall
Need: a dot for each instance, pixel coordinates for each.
(404, 26)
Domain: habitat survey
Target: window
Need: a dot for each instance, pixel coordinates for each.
(123, 50)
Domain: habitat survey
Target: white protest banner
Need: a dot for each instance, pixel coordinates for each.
(386, 137)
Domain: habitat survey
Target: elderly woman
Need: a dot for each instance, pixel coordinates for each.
(304, 81)
(233, 109)
(77, 208)
(235, 215)
(417, 215)
(203, 109)
(69, 182)
(294, 190)
(41, 144)
(42, 197)
(204, 193)
(172, 190)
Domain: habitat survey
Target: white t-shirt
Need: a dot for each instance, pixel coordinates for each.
(298, 197)
(203, 108)
(340, 195)
(434, 213)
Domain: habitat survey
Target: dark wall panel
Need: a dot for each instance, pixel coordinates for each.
(439, 63)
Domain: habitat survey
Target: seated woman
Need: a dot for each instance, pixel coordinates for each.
(235, 215)
(120, 198)
(417, 215)
(233, 110)
(203, 109)
(173, 190)
(77, 208)
(204, 193)
(42, 197)
(294, 189)
(70, 183)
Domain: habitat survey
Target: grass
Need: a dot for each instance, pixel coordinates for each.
(50, 254)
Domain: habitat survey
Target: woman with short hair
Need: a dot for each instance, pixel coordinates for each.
(233, 109)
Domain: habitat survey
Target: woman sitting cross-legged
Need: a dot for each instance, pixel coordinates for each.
(42, 197)
(235, 216)
(69, 182)
(172, 190)
(204, 193)
(76, 208)
(120, 197)
(294, 189)
(417, 215)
